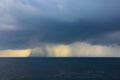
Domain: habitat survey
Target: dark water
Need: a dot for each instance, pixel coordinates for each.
(60, 69)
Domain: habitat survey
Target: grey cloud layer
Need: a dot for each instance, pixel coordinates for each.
(58, 21)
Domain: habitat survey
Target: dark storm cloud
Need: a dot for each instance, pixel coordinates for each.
(65, 21)
(65, 32)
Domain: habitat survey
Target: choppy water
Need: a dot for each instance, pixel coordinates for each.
(60, 69)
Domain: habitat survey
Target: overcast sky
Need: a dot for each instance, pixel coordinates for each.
(60, 27)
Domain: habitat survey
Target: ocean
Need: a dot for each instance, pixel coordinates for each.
(59, 68)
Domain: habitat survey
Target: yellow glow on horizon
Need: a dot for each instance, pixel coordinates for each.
(15, 53)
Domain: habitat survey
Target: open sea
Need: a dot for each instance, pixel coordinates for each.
(59, 68)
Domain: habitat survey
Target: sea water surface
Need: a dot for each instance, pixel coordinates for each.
(59, 68)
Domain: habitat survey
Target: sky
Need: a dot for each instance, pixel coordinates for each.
(59, 28)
